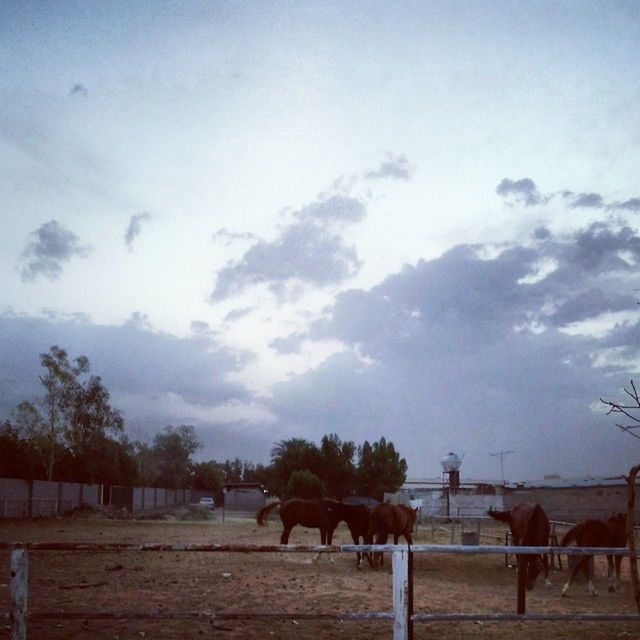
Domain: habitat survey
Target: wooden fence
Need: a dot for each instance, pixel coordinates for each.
(401, 614)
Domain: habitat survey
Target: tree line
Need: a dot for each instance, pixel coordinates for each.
(72, 433)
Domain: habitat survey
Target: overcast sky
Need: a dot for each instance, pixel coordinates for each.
(277, 219)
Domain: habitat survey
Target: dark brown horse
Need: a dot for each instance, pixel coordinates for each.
(390, 519)
(356, 517)
(315, 514)
(597, 533)
(529, 527)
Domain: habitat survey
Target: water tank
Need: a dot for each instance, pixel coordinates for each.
(451, 462)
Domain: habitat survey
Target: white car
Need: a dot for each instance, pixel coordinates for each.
(207, 502)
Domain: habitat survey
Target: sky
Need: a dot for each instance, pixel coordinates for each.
(274, 220)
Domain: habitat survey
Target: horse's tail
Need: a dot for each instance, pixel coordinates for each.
(571, 535)
(264, 512)
(503, 516)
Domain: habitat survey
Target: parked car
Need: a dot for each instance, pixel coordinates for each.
(207, 502)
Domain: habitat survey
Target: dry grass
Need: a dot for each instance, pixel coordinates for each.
(149, 582)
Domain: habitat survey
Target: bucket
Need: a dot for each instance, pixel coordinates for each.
(469, 537)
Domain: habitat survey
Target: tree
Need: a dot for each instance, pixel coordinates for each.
(628, 410)
(172, 450)
(631, 410)
(92, 421)
(338, 469)
(304, 484)
(295, 454)
(16, 453)
(73, 421)
(209, 476)
(380, 469)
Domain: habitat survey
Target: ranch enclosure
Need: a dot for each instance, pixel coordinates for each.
(178, 582)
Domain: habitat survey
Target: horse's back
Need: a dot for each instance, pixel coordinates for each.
(308, 513)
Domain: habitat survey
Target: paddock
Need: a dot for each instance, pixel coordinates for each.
(171, 582)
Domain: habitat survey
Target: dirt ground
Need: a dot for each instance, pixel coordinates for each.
(270, 582)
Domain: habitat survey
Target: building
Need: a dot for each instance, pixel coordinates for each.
(244, 496)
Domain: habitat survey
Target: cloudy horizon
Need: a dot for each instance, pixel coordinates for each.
(415, 222)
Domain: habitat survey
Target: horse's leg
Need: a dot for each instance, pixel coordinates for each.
(590, 577)
(379, 556)
(284, 538)
(618, 561)
(323, 541)
(576, 567)
(545, 564)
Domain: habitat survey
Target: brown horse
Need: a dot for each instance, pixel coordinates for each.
(390, 519)
(597, 533)
(356, 516)
(315, 514)
(529, 527)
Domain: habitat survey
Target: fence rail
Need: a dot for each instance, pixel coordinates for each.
(401, 614)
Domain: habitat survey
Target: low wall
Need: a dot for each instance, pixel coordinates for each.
(39, 498)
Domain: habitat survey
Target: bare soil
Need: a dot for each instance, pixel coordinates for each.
(275, 582)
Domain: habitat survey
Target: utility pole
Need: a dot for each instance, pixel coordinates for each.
(501, 455)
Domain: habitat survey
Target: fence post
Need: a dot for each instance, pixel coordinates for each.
(402, 594)
(19, 589)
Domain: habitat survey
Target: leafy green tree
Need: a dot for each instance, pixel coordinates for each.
(338, 468)
(304, 484)
(17, 456)
(292, 455)
(233, 470)
(380, 469)
(92, 424)
(209, 476)
(74, 422)
(45, 422)
(172, 450)
(146, 463)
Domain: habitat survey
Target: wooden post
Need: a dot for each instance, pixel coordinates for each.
(19, 589)
(522, 583)
(631, 538)
(401, 563)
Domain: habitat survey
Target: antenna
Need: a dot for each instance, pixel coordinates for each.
(501, 455)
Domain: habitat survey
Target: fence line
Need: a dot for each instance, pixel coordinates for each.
(402, 613)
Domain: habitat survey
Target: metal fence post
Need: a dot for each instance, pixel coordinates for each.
(402, 595)
(19, 590)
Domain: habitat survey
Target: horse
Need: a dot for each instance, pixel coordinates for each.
(314, 514)
(529, 527)
(395, 519)
(356, 517)
(597, 533)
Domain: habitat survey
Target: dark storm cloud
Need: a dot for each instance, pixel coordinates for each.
(464, 353)
(134, 228)
(590, 304)
(394, 166)
(139, 367)
(51, 247)
(523, 190)
(308, 252)
(304, 253)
